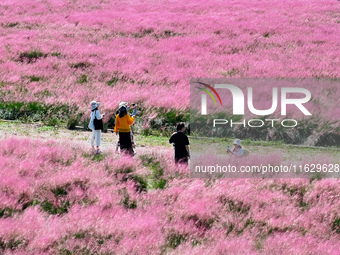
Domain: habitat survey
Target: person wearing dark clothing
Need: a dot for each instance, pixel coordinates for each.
(181, 144)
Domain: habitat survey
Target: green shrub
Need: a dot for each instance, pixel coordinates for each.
(52, 121)
(146, 132)
(51, 115)
(73, 120)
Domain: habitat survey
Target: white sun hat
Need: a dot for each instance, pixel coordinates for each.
(94, 105)
(123, 104)
(237, 142)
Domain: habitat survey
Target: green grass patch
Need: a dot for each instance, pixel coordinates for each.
(59, 191)
(235, 206)
(140, 183)
(94, 157)
(126, 201)
(173, 240)
(151, 32)
(143, 33)
(155, 179)
(336, 224)
(201, 223)
(12, 24)
(166, 34)
(53, 209)
(55, 54)
(33, 202)
(33, 78)
(82, 79)
(80, 235)
(13, 243)
(266, 35)
(81, 65)
(113, 81)
(31, 56)
(7, 212)
(46, 128)
(232, 72)
(230, 229)
(152, 140)
(249, 223)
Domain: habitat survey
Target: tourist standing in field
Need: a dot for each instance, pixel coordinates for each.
(128, 106)
(122, 127)
(96, 125)
(181, 144)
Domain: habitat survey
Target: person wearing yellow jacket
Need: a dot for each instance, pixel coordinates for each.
(122, 127)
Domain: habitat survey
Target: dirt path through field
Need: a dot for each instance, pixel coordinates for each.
(146, 144)
(80, 137)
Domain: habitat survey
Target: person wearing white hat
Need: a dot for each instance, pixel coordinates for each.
(123, 104)
(96, 132)
(238, 149)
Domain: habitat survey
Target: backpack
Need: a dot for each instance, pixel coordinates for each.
(98, 124)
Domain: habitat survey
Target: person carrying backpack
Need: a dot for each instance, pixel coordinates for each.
(122, 127)
(96, 125)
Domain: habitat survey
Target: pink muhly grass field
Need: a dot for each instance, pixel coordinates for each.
(146, 51)
(56, 198)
